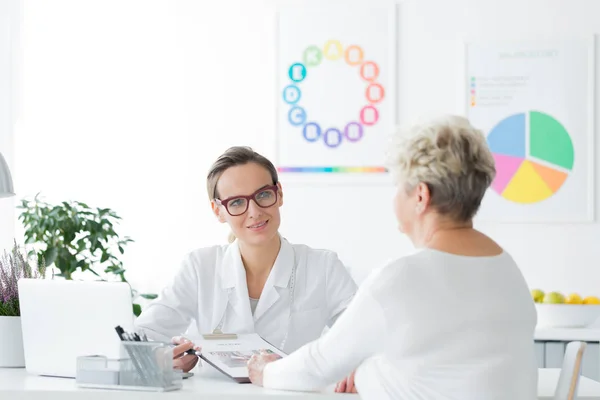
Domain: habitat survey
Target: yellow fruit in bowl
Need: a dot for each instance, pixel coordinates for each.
(537, 295)
(554, 298)
(573, 298)
(591, 300)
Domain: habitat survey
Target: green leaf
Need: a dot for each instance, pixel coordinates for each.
(104, 257)
(121, 250)
(137, 309)
(73, 265)
(149, 296)
(50, 255)
(81, 245)
(69, 237)
(118, 271)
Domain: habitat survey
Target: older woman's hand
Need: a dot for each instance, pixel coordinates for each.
(346, 385)
(256, 366)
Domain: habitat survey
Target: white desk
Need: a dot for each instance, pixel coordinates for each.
(209, 384)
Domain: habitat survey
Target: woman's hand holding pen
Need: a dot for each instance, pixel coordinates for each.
(182, 359)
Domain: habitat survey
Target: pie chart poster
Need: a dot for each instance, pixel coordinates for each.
(335, 92)
(534, 102)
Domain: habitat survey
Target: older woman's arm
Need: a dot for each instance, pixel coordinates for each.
(358, 334)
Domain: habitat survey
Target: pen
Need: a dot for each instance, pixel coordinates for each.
(190, 351)
(150, 363)
(194, 352)
(142, 337)
(124, 336)
(120, 332)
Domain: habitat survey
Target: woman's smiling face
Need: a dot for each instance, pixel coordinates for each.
(257, 225)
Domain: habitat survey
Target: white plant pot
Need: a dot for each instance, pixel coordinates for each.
(11, 343)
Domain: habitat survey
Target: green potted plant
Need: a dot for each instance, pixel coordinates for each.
(73, 237)
(14, 266)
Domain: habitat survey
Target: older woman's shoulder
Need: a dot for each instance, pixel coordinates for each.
(409, 261)
(404, 270)
(391, 271)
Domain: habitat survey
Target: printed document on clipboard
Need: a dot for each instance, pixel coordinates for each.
(230, 355)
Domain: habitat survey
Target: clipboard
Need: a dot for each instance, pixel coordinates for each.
(229, 353)
(216, 335)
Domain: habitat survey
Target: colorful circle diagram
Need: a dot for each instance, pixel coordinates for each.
(534, 156)
(352, 131)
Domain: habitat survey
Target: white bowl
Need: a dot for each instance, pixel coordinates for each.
(566, 315)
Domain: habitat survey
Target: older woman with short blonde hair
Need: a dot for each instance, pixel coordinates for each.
(455, 320)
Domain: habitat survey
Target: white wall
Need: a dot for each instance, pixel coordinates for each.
(9, 24)
(127, 102)
(554, 257)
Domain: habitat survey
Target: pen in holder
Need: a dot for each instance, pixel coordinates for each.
(149, 367)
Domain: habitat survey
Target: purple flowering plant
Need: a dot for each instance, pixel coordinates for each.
(14, 266)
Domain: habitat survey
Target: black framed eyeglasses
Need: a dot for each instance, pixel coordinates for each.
(237, 205)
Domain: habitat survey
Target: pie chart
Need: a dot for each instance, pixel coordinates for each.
(534, 156)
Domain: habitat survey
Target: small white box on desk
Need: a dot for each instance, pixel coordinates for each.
(148, 368)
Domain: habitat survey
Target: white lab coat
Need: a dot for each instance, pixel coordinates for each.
(211, 288)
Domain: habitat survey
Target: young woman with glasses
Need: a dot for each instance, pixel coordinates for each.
(287, 293)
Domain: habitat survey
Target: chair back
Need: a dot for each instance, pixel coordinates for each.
(568, 381)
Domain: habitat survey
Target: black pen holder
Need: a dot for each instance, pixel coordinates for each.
(149, 367)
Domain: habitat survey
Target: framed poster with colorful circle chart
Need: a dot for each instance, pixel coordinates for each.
(534, 102)
(336, 107)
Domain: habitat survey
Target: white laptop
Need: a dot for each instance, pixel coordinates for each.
(63, 319)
